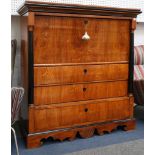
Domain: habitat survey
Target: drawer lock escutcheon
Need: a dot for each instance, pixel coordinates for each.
(85, 71)
(86, 109)
(84, 89)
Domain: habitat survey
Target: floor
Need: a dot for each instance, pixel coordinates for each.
(134, 147)
(60, 148)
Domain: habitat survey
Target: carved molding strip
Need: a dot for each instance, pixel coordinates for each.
(35, 140)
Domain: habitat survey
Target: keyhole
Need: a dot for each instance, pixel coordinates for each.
(84, 89)
(85, 71)
(85, 25)
(86, 109)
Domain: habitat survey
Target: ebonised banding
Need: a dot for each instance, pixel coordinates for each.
(30, 68)
(131, 63)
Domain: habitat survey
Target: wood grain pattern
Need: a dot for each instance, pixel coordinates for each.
(68, 33)
(31, 117)
(79, 15)
(70, 135)
(81, 73)
(71, 114)
(77, 92)
(78, 86)
(87, 133)
(83, 63)
(34, 141)
(77, 9)
(131, 101)
(133, 24)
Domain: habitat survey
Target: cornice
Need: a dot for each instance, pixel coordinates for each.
(33, 6)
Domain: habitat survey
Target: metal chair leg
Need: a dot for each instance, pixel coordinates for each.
(14, 133)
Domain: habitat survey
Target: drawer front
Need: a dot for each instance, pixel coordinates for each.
(82, 73)
(77, 92)
(72, 114)
(59, 40)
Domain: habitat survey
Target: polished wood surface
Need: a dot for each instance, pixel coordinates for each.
(82, 73)
(84, 131)
(78, 92)
(77, 9)
(76, 83)
(68, 33)
(64, 115)
(83, 63)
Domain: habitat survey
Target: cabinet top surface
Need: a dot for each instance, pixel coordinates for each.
(34, 6)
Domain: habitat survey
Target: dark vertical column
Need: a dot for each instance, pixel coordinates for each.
(30, 68)
(131, 63)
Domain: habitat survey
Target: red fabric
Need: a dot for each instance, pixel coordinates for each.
(138, 85)
(139, 55)
(138, 72)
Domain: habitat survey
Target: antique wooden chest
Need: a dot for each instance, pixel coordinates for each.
(77, 67)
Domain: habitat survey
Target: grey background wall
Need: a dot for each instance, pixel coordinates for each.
(139, 34)
(15, 34)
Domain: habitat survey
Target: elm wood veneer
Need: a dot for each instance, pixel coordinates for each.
(85, 131)
(80, 73)
(44, 7)
(72, 85)
(57, 116)
(78, 92)
(68, 33)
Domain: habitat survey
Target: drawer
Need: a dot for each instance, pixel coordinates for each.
(59, 40)
(79, 73)
(76, 92)
(72, 114)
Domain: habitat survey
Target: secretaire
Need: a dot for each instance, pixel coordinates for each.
(77, 64)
